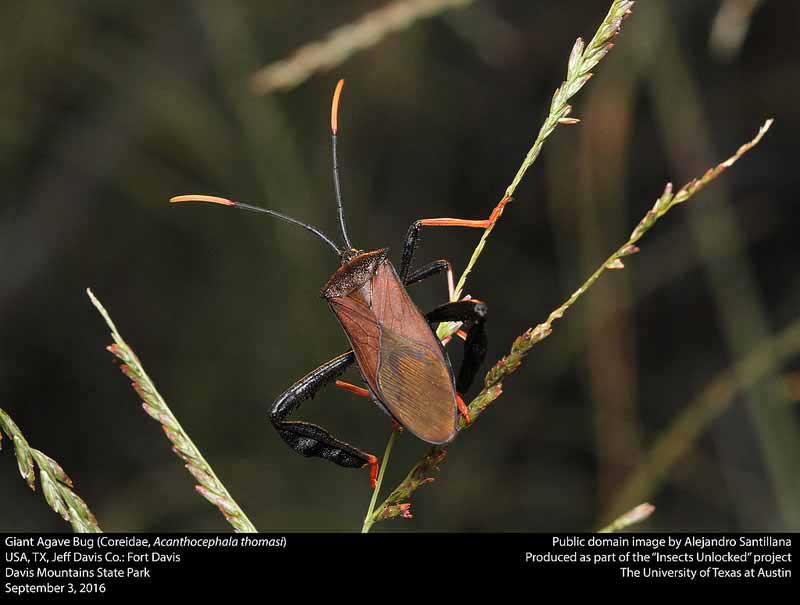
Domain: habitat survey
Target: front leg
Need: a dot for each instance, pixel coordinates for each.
(412, 237)
(310, 439)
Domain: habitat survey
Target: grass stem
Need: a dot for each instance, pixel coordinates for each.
(56, 484)
(209, 486)
(369, 519)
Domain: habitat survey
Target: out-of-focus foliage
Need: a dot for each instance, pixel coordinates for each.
(109, 108)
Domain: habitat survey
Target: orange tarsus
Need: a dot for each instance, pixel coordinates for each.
(212, 199)
(454, 222)
(373, 470)
(498, 210)
(462, 408)
(361, 392)
(335, 107)
(461, 222)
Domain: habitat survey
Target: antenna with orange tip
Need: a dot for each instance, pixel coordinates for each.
(335, 107)
(213, 199)
(334, 129)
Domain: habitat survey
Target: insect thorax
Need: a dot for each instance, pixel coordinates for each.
(354, 273)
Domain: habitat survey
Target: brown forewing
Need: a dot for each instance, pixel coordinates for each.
(416, 387)
(414, 378)
(363, 332)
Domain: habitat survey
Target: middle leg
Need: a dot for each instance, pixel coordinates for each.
(431, 269)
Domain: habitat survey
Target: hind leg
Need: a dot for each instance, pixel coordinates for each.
(310, 439)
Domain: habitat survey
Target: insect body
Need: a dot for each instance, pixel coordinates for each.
(402, 362)
(404, 366)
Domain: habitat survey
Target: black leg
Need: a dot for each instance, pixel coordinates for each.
(474, 312)
(412, 239)
(431, 269)
(309, 439)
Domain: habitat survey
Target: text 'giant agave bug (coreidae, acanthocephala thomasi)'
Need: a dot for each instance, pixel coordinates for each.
(403, 364)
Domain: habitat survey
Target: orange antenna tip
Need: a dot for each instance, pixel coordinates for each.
(212, 199)
(335, 107)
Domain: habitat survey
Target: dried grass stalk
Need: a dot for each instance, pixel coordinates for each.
(493, 382)
(344, 41)
(209, 485)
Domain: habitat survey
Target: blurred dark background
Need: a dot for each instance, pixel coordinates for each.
(109, 108)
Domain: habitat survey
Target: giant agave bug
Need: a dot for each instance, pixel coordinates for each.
(404, 366)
